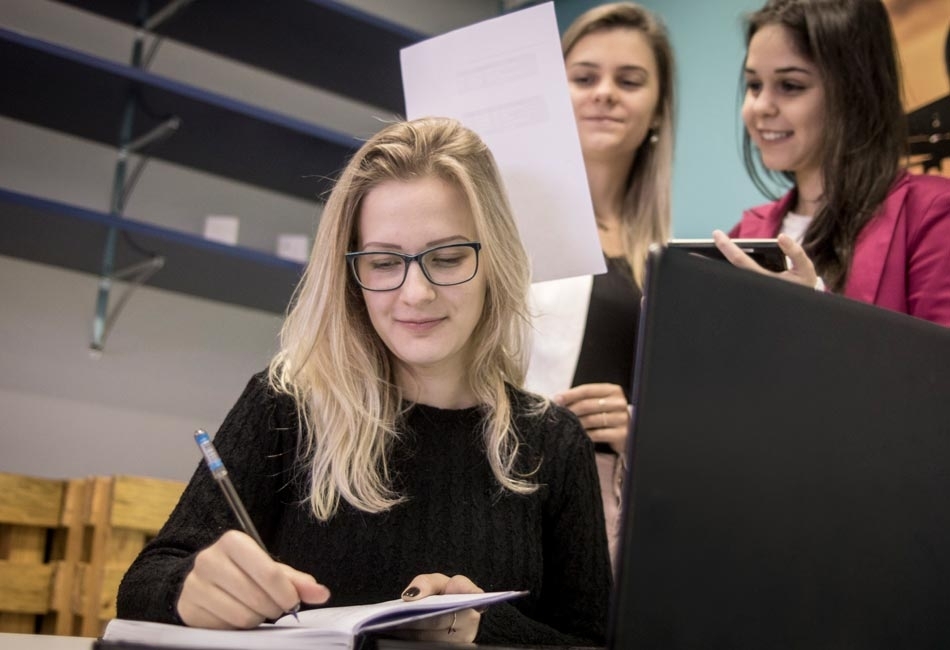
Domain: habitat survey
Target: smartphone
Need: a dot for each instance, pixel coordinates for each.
(764, 251)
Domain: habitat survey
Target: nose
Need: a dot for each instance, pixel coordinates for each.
(605, 92)
(417, 287)
(763, 103)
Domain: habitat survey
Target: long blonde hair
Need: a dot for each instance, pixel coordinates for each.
(646, 212)
(336, 367)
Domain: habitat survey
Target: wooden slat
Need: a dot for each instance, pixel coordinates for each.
(67, 543)
(65, 555)
(96, 591)
(124, 546)
(23, 543)
(97, 517)
(110, 588)
(63, 600)
(144, 504)
(30, 501)
(25, 587)
(30, 511)
(17, 623)
(121, 514)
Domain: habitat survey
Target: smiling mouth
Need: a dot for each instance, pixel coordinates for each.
(773, 136)
(420, 324)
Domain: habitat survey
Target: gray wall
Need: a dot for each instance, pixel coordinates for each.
(172, 364)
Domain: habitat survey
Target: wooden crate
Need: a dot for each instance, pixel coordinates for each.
(122, 514)
(40, 543)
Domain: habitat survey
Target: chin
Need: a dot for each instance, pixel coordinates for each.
(421, 358)
(601, 149)
(777, 164)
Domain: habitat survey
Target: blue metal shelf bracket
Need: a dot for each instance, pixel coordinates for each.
(122, 185)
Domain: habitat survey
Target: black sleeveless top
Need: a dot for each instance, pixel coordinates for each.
(610, 335)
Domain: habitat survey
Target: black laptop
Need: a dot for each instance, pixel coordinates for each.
(789, 477)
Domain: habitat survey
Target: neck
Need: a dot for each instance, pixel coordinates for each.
(608, 184)
(435, 387)
(809, 193)
(607, 179)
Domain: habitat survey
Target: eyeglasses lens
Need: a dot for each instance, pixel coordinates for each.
(444, 265)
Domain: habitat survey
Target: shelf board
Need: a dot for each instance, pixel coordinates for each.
(73, 92)
(317, 42)
(68, 236)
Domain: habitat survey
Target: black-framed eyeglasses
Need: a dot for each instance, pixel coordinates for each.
(442, 265)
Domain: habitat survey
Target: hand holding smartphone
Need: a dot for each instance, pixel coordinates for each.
(765, 252)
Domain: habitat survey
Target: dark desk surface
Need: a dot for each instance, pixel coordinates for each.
(395, 644)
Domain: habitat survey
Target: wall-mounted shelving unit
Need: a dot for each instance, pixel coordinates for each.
(320, 43)
(317, 42)
(56, 233)
(72, 92)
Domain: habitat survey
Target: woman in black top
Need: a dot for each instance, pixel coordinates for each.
(387, 449)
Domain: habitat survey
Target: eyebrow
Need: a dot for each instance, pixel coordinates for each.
(429, 244)
(623, 68)
(784, 70)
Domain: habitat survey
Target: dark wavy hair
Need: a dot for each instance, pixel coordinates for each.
(852, 45)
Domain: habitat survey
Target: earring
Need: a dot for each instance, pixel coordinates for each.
(654, 137)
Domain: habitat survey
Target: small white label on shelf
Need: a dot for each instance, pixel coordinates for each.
(293, 247)
(222, 228)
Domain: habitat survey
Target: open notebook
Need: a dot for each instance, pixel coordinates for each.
(328, 627)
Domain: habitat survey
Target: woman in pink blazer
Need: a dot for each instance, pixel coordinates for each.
(822, 109)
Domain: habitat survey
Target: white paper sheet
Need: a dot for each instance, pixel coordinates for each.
(504, 79)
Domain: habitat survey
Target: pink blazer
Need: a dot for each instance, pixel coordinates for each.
(901, 258)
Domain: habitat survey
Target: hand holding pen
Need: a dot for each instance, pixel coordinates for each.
(234, 582)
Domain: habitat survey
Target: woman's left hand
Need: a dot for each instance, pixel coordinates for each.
(802, 269)
(457, 627)
(602, 409)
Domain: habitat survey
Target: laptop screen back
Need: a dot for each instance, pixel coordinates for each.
(790, 469)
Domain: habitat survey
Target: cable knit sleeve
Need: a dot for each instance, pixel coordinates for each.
(254, 445)
(573, 603)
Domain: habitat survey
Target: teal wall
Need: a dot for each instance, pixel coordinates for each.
(710, 185)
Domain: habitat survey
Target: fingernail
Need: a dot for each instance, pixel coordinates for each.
(411, 592)
(558, 399)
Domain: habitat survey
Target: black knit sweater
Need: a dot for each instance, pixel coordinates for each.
(456, 520)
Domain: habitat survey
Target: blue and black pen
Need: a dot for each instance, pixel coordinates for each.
(220, 475)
